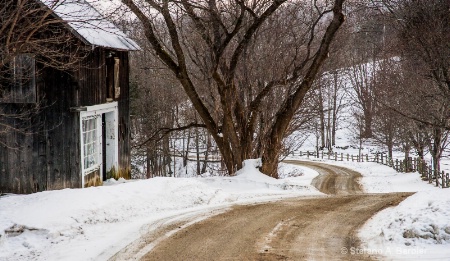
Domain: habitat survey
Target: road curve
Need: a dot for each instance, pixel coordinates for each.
(332, 180)
(295, 229)
(308, 228)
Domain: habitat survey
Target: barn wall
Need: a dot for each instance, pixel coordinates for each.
(91, 78)
(124, 117)
(95, 74)
(45, 157)
(49, 156)
(18, 171)
(61, 129)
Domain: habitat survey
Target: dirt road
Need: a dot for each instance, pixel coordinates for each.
(333, 180)
(320, 228)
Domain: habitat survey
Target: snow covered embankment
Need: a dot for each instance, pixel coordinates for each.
(94, 223)
(418, 228)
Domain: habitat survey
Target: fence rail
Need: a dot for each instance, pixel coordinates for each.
(410, 165)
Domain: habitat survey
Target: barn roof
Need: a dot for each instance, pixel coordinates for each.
(90, 25)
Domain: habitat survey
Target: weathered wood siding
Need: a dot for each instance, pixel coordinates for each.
(48, 157)
(124, 117)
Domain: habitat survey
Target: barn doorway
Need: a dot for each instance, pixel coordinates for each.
(99, 143)
(109, 137)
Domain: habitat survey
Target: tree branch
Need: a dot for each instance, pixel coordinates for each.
(162, 132)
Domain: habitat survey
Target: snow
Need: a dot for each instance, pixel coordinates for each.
(249, 181)
(90, 24)
(94, 223)
(379, 178)
(417, 229)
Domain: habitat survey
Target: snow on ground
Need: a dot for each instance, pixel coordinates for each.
(94, 223)
(417, 229)
(249, 180)
(379, 178)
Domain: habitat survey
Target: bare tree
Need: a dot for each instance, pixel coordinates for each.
(424, 31)
(31, 38)
(204, 44)
(385, 121)
(30, 27)
(363, 82)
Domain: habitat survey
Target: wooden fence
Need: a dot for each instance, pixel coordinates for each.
(410, 165)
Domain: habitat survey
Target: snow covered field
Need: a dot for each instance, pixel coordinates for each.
(94, 223)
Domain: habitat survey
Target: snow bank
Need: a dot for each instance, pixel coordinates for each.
(31, 224)
(250, 181)
(377, 178)
(94, 223)
(418, 228)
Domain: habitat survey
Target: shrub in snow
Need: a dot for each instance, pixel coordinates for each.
(289, 171)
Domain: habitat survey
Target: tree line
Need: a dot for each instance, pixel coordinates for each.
(252, 79)
(258, 80)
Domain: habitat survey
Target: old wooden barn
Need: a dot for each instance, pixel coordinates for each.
(80, 135)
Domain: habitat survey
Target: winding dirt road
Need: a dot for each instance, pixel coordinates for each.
(333, 180)
(314, 228)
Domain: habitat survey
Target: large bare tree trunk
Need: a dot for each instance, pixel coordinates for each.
(227, 41)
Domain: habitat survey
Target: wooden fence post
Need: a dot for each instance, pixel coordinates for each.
(396, 165)
(307, 154)
(405, 165)
(322, 154)
(382, 159)
(422, 167)
(430, 173)
(367, 157)
(425, 169)
(418, 166)
(335, 156)
(342, 156)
